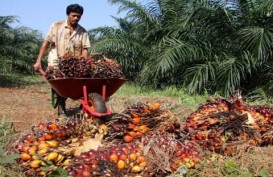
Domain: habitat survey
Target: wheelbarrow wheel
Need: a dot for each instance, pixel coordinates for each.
(96, 101)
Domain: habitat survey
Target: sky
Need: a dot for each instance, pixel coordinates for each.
(40, 14)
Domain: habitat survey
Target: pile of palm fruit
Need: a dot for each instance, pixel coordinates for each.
(143, 140)
(220, 123)
(84, 68)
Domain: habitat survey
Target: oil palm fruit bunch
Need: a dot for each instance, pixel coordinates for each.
(120, 160)
(165, 154)
(105, 68)
(53, 144)
(135, 121)
(222, 121)
(71, 67)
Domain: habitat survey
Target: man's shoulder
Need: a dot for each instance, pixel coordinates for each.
(59, 23)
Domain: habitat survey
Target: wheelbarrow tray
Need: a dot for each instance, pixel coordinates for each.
(73, 87)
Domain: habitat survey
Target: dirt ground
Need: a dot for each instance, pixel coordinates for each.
(29, 105)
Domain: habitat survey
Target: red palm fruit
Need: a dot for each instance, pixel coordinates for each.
(122, 156)
(94, 167)
(41, 126)
(125, 149)
(199, 135)
(29, 138)
(19, 146)
(86, 173)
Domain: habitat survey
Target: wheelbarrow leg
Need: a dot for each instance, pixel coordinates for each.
(61, 106)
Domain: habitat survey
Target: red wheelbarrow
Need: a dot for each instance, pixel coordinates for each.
(89, 92)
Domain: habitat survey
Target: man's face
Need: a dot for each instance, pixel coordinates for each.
(74, 18)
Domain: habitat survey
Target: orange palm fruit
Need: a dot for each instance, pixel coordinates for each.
(132, 134)
(121, 164)
(140, 159)
(155, 106)
(131, 126)
(113, 158)
(52, 126)
(104, 127)
(143, 164)
(143, 128)
(132, 156)
(35, 163)
(25, 156)
(32, 150)
(136, 120)
(128, 138)
(43, 145)
(134, 115)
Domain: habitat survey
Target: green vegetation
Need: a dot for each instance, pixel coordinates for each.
(203, 46)
(188, 100)
(200, 47)
(8, 166)
(19, 79)
(18, 46)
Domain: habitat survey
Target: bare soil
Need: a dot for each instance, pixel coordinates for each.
(27, 106)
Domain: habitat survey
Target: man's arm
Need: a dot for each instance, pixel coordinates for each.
(85, 53)
(43, 48)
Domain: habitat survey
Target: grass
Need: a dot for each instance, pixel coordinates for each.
(18, 80)
(190, 101)
(8, 166)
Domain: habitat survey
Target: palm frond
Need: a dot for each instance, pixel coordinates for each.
(135, 11)
(199, 75)
(174, 52)
(231, 73)
(257, 40)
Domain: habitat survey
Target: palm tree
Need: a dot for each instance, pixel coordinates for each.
(203, 45)
(18, 46)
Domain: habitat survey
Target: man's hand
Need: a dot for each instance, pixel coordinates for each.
(37, 66)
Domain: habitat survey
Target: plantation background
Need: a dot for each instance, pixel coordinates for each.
(206, 46)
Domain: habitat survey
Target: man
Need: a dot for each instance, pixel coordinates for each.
(65, 38)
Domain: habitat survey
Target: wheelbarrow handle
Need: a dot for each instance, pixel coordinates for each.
(42, 72)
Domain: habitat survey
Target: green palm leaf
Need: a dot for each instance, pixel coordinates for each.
(257, 40)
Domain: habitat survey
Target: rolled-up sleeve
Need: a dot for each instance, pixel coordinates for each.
(51, 36)
(85, 41)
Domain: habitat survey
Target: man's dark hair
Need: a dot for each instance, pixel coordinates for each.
(74, 8)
